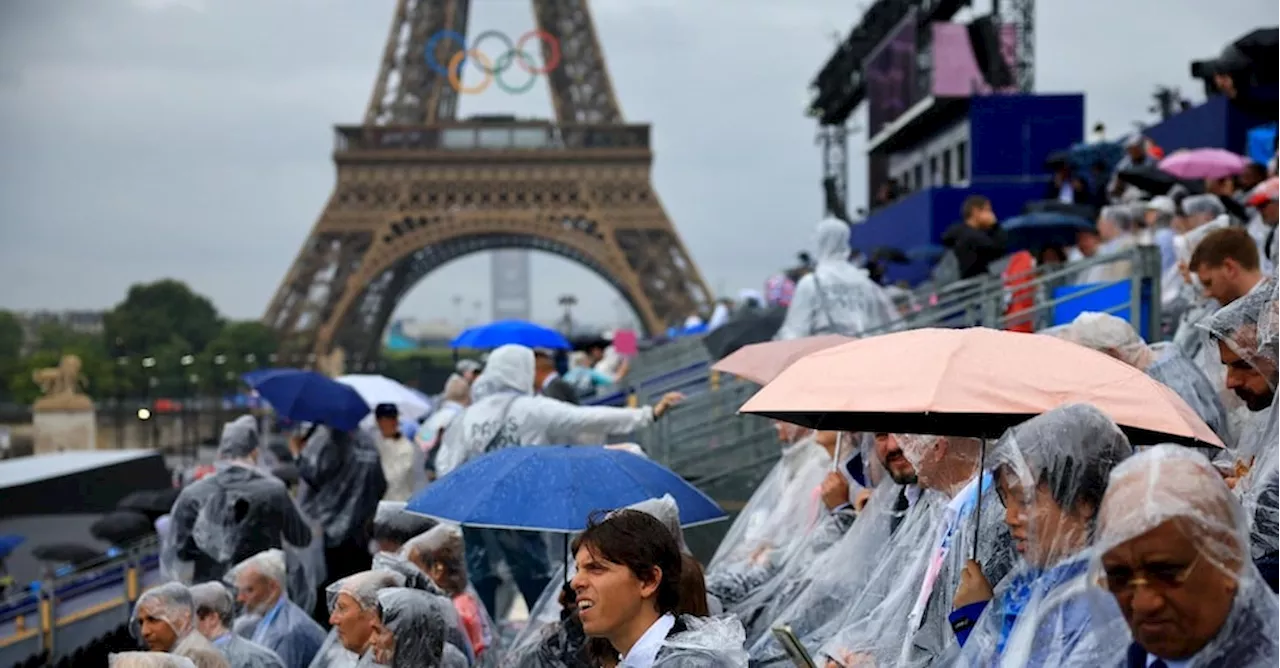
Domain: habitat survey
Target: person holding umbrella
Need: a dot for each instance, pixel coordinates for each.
(505, 412)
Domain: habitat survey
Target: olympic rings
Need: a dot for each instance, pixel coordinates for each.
(492, 69)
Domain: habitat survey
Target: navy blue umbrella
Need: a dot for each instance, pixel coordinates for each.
(252, 378)
(555, 488)
(505, 332)
(1043, 228)
(306, 396)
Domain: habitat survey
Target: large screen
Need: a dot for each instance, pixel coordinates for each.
(955, 69)
(891, 77)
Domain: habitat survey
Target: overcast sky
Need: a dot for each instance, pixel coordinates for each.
(143, 139)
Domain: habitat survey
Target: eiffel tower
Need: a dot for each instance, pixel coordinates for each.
(417, 187)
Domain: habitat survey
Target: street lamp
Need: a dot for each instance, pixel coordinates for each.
(120, 373)
(186, 361)
(219, 361)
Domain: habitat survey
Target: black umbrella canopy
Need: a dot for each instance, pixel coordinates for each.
(150, 502)
(1066, 208)
(1156, 181)
(288, 473)
(65, 553)
(755, 326)
(122, 527)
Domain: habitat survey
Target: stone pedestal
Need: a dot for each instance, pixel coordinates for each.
(64, 430)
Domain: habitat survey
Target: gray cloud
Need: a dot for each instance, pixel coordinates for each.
(151, 138)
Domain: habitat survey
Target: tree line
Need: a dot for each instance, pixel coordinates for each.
(164, 339)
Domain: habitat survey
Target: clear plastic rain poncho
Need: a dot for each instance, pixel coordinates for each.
(819, 589)
(783, 507)
(212, 598)
(444, 546)
(148, 660)
(284, 628)
(1246, 327)
(394, 526)
(344, 482)
(752, 587)
(505, 412)
(703, 642)
(414, 629)
(901, 618)
(1186, 299)
(1175, 502)
(363, 588)
(1113, 336)
(172, 604)
(1051, 472)
(414, 578)
(238, 512)
(837, 297)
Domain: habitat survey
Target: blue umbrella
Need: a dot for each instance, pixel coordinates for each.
(555, 488)
(252, 378)
(505, 332)
(10, 542)
(1043, 228)
(306, 396)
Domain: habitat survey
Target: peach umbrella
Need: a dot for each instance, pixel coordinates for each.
(762, 362)
(970, 382)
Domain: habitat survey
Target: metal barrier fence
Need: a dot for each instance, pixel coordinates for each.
(63, 613)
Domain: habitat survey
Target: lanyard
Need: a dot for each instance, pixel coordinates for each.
(943, 546)
(261, 631)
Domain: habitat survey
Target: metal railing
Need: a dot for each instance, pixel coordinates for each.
(63, 612)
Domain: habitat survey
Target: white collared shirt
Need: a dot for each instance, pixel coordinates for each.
(645, 652)
(1171, 663)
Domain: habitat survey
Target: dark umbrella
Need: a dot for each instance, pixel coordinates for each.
(757, 326)
(929, 254)
(1156, 181)
(122, 527)
(306, 396)
(1036, 230)
(150, 502)
(65, 553)
(1057, 206)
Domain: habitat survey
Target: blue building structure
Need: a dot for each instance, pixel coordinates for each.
(1215, 124)
(992, 145)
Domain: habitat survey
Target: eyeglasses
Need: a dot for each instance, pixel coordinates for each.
(1161, 577)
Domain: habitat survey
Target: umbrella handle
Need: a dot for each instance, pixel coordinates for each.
(977, 508)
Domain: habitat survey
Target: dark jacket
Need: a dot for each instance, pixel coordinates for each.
(974, 249)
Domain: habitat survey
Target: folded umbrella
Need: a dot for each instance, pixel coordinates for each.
(1203, 163)
(507, 332)
(555, 488)
(306, 396)
(971, 382)
(122, 527)
(150, 502)
(66, 553)
(762, 362)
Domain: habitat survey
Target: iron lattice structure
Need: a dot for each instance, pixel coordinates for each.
(417, 187)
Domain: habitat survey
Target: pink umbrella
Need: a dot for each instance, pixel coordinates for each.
(970, 382)
(762, 362)
(1203, 163)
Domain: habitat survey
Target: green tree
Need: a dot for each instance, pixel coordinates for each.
(11, 336)
(153, 315)
(241, 346)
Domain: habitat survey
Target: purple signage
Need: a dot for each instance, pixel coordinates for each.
(955, 69)
(891, 77)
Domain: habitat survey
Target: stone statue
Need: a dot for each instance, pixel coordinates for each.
(332, 365)
(61, 387)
